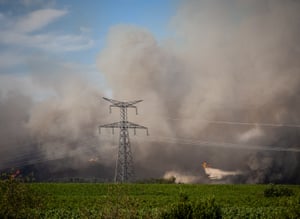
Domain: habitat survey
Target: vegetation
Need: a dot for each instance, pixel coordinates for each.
(17, 199)
(278, 191)
(83, 200)
(184, 209)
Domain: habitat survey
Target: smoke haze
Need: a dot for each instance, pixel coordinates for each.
(232, 60)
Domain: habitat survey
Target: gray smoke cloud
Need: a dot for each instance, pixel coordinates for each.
(54, 122)
(232, 60)
(229, 61)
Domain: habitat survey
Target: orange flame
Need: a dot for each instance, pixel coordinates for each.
(14, 175)
(204, 164)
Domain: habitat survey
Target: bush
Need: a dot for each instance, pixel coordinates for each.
(207, 208)
(293, 208)
(170, 180)
(278, 191)
(17, 200)
(184, 209)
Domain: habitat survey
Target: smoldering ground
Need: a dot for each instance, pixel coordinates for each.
(235, 61)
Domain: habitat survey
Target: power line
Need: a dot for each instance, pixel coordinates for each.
(202, 143)
(170, 140)
(39, 157)
(277, 125)
(12, 155)
(28, 156)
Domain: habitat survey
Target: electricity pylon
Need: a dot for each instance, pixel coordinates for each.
(124, 166)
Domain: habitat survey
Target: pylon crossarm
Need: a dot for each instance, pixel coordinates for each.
(111, 100)
(117, 103)
(123, 125)
(133, 102)
(112, 126)
(136, 126)
(126, 104)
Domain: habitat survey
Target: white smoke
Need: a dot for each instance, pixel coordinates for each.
(182, 177)
(251, 134)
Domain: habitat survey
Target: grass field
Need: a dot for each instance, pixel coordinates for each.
(76, 200)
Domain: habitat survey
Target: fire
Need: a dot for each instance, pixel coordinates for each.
(93, 159)
(14, 175)
(204, 165)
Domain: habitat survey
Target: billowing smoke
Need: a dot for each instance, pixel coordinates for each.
(182, 177)
(215, 91)
(56, 126)
(231, 61)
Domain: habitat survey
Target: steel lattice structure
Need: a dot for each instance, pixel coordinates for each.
(124, 165)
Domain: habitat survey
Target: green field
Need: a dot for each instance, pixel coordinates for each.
(76, 200)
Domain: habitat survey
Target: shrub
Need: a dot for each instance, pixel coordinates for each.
(170, 180)
(184, 209)
(181, 210)
(119, 204)
(207, 208)
(17, 200)
(293, 208)
(277, 191)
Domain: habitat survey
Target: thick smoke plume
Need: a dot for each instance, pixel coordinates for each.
(234, 61)
(229, 61)
(55, 128)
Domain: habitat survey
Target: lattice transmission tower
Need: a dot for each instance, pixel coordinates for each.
(124, 165)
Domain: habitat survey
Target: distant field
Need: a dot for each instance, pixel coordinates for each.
(149, 200)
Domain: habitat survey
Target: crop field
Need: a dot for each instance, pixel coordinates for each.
(87, 200)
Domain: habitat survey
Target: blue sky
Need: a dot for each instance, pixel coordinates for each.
(72, 31)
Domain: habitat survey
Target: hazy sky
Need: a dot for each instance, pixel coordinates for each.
(70, 31)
